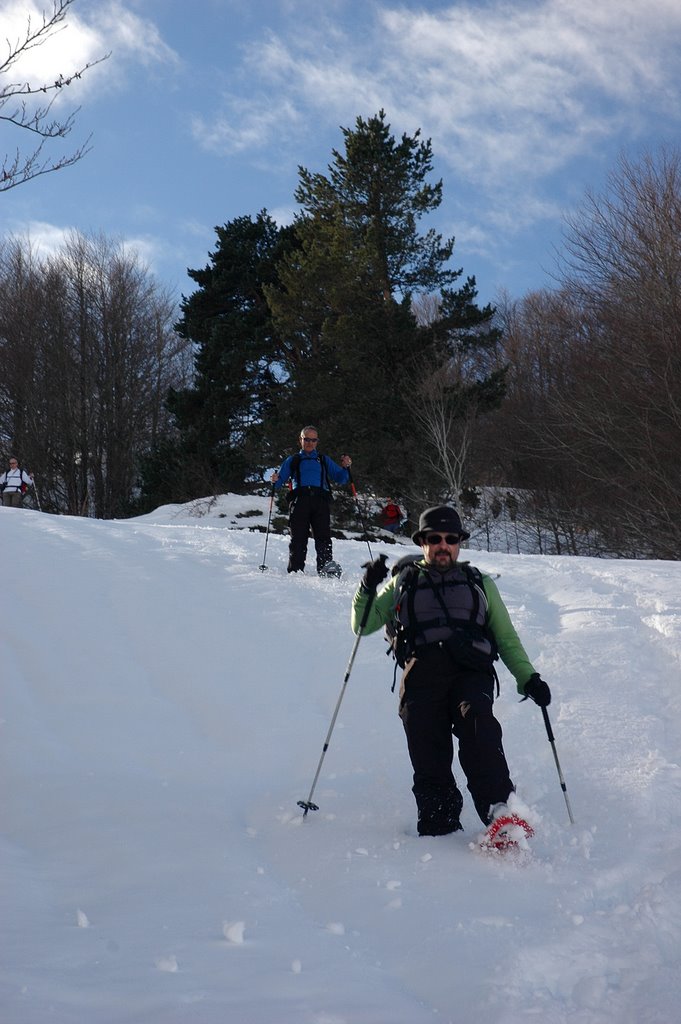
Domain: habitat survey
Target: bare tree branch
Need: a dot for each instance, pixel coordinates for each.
(22, 105)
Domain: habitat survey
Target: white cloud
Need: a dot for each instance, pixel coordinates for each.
(283, 215)
(45, 239)
(81, 40)
(69, 47)
(506, 91)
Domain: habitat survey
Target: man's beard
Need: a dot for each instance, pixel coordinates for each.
(443, 561)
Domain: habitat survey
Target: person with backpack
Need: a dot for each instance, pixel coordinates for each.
(449, 625)
(308, 474)
(14, 483)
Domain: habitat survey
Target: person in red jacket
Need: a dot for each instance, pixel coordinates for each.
(391, 516)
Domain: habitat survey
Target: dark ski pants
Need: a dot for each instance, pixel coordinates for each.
(310, 510)
(439, 698)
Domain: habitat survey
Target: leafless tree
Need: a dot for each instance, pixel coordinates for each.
(623, 269)
(87, 355)
(447, 420)
(449, 394)
(27, 105)
(593, 416)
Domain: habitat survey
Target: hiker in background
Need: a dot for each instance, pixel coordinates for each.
(308, 474)
(450, 622)
(390, 516)
(14, 483)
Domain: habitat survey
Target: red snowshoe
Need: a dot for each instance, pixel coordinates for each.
(507, 832)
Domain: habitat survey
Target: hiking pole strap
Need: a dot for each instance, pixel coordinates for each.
(549, 733)
(307, 805)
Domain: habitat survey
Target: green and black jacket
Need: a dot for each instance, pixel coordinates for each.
(384, 611)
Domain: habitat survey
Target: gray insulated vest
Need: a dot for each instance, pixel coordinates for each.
(449, 607)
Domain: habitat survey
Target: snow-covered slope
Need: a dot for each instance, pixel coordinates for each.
(164, 708)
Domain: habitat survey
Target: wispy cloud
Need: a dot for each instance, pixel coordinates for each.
(508, 91)
(134, 37)
(524, 89)
(247, 125)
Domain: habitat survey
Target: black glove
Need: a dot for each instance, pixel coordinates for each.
(376, 572)
(538, 690)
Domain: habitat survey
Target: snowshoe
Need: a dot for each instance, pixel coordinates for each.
(331, 569)
(507, 832)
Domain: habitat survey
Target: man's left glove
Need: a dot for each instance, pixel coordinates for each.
(376, 572)
(538, 690)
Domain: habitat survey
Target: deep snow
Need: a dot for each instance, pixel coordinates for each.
(164, 708)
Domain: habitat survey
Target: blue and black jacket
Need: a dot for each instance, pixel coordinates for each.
(311, 470)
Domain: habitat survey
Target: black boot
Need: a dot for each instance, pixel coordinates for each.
(438, 810)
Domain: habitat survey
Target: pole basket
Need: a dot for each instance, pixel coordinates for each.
(307, 805)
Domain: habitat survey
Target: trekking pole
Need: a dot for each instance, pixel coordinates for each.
(307, 805)
(549, 733)
(35, 492)
(267, 531)
(359, 512)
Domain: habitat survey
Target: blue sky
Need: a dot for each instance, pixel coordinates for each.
(205, 110)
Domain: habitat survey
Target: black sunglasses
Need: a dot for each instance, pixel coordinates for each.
(437, 538)
(312, 440)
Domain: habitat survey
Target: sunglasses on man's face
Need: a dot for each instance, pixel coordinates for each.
(433, 539)
(311, 440)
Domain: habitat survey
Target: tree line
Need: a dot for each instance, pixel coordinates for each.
(87, 355)
(354, 318)
(591, 424)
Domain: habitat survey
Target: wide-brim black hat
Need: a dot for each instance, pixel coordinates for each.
(441, 518)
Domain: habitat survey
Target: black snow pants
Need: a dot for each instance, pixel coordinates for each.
(310, 509)
(439, 698)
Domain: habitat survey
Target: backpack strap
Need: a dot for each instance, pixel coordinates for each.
(295, 470)
(324, 481)
(475, 579)
(403, 640)
(324, 474)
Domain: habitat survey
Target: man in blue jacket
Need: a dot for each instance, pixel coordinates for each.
(310, 474)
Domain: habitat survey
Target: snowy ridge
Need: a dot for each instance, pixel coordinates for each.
(164, 707)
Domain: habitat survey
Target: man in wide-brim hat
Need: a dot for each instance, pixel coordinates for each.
(450, 624)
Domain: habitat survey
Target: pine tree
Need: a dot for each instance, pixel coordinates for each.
(228, 321)
(343, 303)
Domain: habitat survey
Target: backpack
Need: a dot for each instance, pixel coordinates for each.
(324, 481)
(402, 640)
